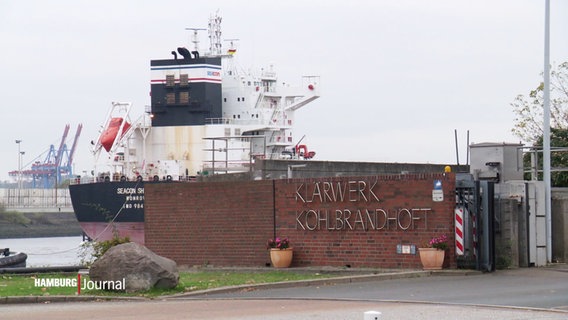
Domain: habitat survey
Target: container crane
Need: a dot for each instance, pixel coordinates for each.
(53, 169)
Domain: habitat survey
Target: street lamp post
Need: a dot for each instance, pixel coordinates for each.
(21, 180)
(19, 170)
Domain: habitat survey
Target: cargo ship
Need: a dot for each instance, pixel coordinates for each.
(206, 117)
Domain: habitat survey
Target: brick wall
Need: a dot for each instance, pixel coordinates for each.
(344, 221)
(218, 223)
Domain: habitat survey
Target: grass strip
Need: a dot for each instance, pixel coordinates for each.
(33, 285)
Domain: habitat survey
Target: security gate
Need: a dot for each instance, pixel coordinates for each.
(475, 221)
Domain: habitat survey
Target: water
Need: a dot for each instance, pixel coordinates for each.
(47, 252)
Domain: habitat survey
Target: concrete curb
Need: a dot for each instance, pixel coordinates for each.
(59, 299)
(322, 282)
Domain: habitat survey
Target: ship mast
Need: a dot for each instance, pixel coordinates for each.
(215, 45)
(195, 38)
(214, 30)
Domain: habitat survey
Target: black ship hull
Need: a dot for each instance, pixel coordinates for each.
(110, 209)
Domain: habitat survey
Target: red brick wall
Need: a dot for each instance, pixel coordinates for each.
(217, 223)
(361, 241)
(330, 221)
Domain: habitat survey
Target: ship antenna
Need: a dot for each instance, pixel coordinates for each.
(195, 39)
(215, 46)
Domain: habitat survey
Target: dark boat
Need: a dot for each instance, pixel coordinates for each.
(9, 259)
(206, 117)
(108, 209)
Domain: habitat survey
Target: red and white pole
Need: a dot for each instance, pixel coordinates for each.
(458, 213)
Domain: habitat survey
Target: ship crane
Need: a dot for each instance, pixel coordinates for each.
(53, 169)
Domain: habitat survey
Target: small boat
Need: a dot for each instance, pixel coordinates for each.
(9, 259)
(116, 128)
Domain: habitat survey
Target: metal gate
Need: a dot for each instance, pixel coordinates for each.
(475, 223)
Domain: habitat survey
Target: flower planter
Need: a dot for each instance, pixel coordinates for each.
(281, 258)
(431, 258)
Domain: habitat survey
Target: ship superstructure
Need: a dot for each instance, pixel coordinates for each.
(206, 117)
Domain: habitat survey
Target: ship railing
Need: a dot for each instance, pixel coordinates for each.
(108, 178)
(214, 167)
(81, 180)
(254, 121)
(219, 121)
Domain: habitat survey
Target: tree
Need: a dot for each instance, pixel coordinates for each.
(558, 138)
(528, 122)
(529, 110)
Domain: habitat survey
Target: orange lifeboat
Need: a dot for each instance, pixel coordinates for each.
(111, 132)
(302, 150)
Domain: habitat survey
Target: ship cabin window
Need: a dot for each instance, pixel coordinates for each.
(170, 98)
(184, 97)
(227, 132)
(239, 99)
(183, 80)
(249, 83)
(237, 132)
(224, 99)
(257, 115)
(243, 99)
(238, 116)
(170, 80)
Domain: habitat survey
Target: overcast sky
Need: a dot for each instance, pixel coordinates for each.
(397, 76)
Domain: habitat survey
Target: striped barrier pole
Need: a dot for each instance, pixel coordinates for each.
(458, 213)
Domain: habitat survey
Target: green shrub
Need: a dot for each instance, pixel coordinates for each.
(100, 247)
(93, 250)
(14, 217)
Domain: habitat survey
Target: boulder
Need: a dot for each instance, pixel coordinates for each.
(136, 266)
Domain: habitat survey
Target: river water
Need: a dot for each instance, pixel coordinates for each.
(48, 252)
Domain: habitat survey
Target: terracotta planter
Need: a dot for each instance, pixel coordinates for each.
(281, 258)
(431, 258)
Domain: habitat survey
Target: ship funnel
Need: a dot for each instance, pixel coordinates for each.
(195, 54)
(175, 55)
(184, 52)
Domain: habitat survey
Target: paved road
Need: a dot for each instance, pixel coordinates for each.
(262, 310)
(543, 290)
(528, 287)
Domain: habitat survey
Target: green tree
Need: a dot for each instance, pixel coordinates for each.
(529, 109)
(528, 121)
(558, 138)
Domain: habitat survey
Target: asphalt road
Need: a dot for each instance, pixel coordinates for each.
(262, 310)
(537, 293)
(545, 288)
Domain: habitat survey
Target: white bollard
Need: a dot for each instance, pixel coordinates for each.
(372, 315)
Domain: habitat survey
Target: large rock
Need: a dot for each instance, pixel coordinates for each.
(140, 268)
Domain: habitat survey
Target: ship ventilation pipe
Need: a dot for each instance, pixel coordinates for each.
(195, 54)
(175, 55)
(184, 52)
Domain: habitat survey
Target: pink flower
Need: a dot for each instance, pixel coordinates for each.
(278, 243)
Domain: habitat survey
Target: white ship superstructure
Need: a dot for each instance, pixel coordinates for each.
(206, 117)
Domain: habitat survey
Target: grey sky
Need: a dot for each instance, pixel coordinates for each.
(397, 76)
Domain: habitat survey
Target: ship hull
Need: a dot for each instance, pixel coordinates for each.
(103, 231)
(110, 209)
